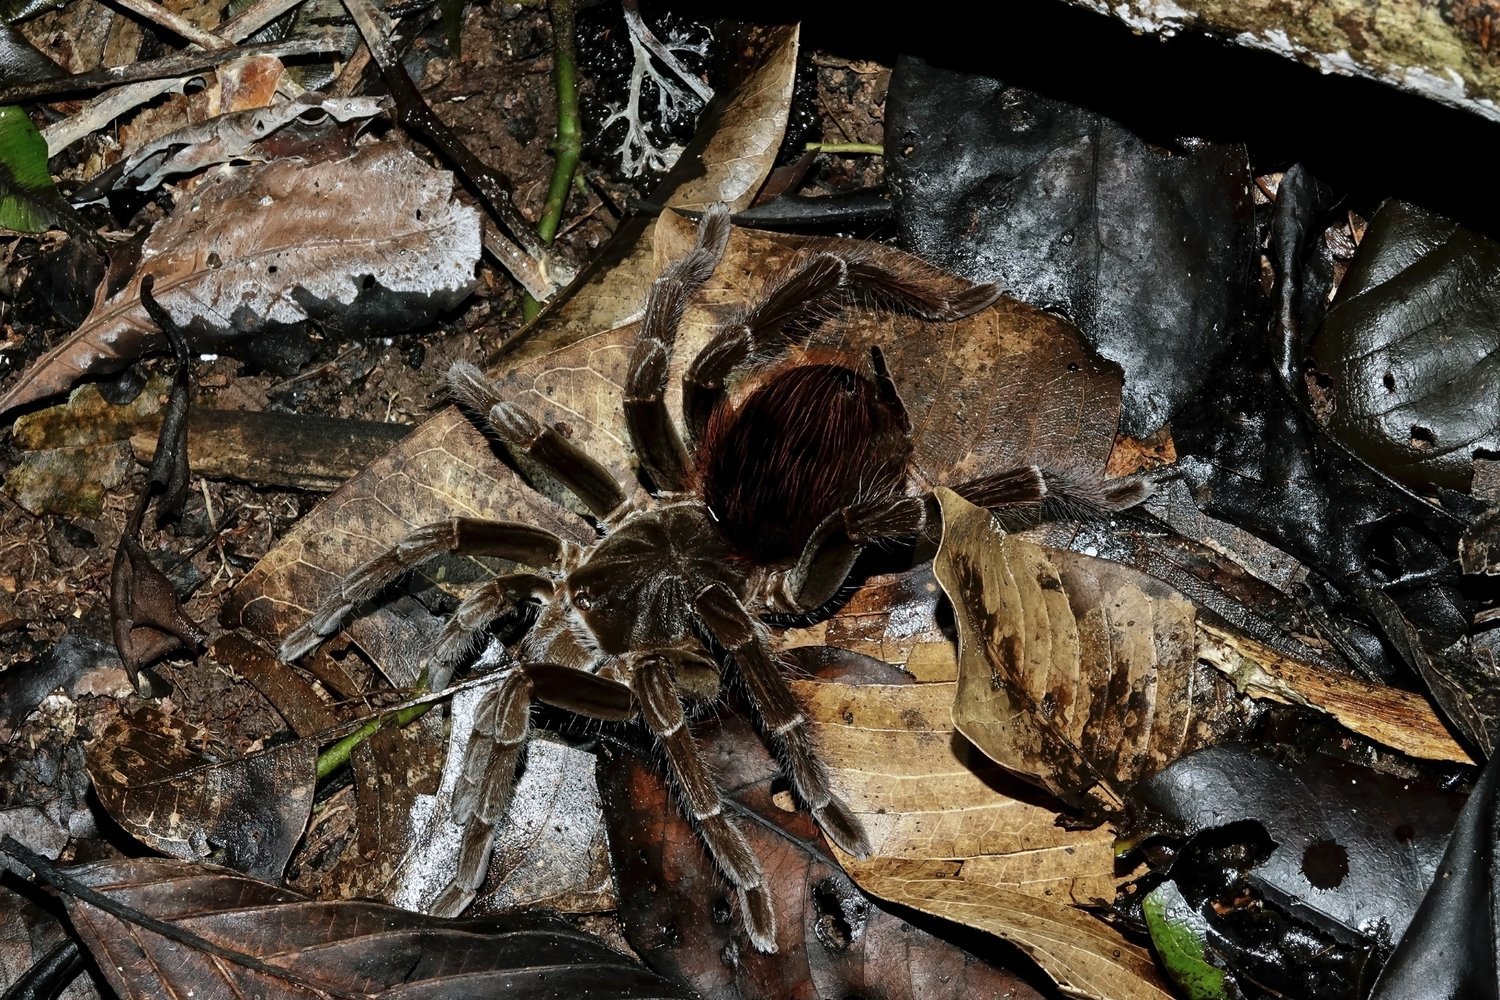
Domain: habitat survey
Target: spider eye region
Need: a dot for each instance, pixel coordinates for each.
(807, 441)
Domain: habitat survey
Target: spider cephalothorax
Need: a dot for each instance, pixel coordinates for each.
(761, 510)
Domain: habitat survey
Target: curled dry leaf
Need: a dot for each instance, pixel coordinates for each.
(249, 812)
(213, 932)
(255, 253)
(236, 137)
(1076, 673)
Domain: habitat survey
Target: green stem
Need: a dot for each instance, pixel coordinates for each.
(569, 144)
(873, 148)
(337, 754)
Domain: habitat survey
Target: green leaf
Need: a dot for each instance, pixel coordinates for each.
(29, 201)
(1181, 941)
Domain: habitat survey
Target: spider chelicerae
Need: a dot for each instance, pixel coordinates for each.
(761, 511)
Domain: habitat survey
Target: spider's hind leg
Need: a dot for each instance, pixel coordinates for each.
(655, 438)
(661, 708)
(502, 725)
(825, 270)
(782, 718)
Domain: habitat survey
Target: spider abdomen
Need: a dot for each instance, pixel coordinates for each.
(807, 441)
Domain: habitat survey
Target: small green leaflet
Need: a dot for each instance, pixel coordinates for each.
(29, 201)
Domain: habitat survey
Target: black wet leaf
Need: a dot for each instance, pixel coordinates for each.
(1306, 873)
(1410, 349)
(1451, 950)
(1146, 249)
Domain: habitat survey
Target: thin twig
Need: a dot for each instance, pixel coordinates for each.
(175, 23)
(168, 66)
(873, 148)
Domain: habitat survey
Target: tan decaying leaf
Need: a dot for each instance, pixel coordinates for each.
(1398, 719)
(447, 468)
(234, 136)
(955, 836)
(1076, 673)
(250, 812)
(1011, 385)
(742, 149)
(253, 251)
(73, 451)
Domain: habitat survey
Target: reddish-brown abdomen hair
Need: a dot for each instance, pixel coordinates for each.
(807, 441)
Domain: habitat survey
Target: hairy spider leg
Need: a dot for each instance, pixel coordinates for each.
(519, 431)
(475, 613)
(502, 725)
(830, 552)
(654, 436)
(661, 708)
(776, 705)
(512, 540)
(769, 327)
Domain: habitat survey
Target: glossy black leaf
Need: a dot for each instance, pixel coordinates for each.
(1410, 349)
(1451, 949)
(1311, 868)
(1146, 249)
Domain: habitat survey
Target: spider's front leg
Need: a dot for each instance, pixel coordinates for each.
(511, 540)
(782, 717)
(831, 551)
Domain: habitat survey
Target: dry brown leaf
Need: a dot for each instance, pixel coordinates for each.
(248, 812)
(955, 836)
(739, 154)
(256, 252)
(220, 934)
(1076, 673)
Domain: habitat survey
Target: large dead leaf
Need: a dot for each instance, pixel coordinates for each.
(222, 934)
(248, 813)
(1076, 673)
(831, 940)
(447, 467)
(953, 835)
(254, 253)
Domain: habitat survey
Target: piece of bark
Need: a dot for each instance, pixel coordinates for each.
(279, 449)
(1444, 52)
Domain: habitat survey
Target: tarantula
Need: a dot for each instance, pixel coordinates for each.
(763, 510)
